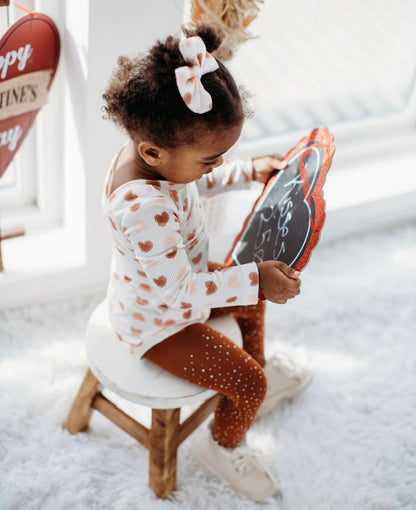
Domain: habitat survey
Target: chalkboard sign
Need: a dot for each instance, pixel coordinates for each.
(286, 220)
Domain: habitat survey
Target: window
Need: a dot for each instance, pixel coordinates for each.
(348, 65)
(75, 147)
(319, 63)
(22, 186)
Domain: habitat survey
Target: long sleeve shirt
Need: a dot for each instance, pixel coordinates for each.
(160, 281)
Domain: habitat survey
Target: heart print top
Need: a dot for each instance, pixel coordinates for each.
(159, 280)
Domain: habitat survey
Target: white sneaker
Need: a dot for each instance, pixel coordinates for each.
(240, 467)
(284, 380)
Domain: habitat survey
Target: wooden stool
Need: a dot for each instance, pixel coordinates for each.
(140, 381)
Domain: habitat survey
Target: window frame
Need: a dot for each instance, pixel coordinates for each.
(29, 200)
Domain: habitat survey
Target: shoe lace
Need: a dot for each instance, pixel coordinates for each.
(285, 363)
(242, 457)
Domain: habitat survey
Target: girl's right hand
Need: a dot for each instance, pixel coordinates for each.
(277, 281)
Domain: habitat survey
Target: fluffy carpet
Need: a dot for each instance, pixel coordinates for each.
(348, 442)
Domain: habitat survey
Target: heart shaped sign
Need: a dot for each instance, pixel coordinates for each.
(29, 55)
(287, 218)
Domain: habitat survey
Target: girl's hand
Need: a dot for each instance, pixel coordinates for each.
(277, 281)
(265, 166)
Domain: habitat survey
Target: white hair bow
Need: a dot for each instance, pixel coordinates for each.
(188, 78)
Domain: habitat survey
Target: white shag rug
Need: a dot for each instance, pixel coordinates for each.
(349, 442)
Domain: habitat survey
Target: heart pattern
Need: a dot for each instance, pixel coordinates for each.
(130, 196)
(29, 56)
(164, 281)
(254, 278)
(161, 281)
(146, 246)
(162, 219)
(211, 288)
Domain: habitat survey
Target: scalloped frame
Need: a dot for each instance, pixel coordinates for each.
(318, 137)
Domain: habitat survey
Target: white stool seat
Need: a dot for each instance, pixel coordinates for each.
(141, 381)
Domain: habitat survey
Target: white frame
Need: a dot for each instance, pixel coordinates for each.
(23, 192)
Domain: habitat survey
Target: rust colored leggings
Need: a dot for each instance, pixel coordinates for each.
(207, 358)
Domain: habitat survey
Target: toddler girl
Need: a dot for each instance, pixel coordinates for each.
(182, 111)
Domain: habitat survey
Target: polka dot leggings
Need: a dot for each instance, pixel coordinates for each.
(207, 358)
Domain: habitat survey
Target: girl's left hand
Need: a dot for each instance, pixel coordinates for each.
(265, 166)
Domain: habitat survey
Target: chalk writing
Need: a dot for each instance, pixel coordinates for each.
(285, 221)
(285, 208)
(279, 227)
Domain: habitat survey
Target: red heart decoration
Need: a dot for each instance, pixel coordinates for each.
(29, 56)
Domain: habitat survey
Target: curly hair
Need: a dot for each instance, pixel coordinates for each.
(143, 98)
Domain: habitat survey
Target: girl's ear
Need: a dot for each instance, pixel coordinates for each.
(150, 153)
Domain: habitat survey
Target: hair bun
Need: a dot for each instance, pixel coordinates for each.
(208, 33)
(164, 57)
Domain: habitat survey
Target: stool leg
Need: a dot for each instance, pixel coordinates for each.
(81, 410)
(163, 444)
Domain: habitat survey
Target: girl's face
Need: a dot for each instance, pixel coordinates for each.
(188, 163)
